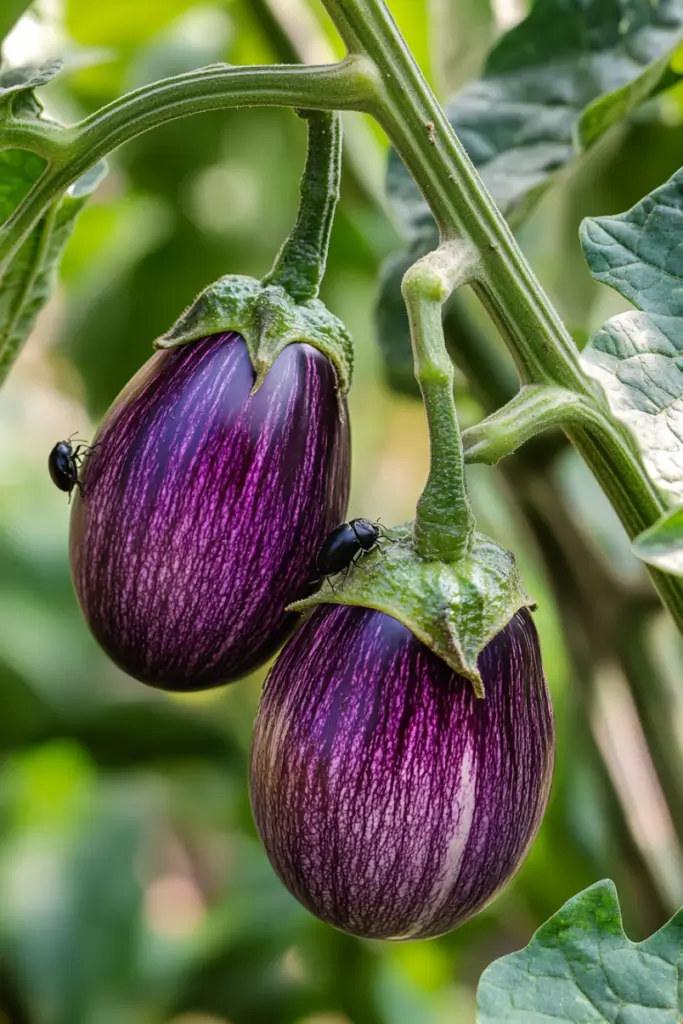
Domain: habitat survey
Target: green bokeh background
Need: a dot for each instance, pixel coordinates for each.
(133, 889)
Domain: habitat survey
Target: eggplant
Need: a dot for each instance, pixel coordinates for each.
(392, 802)
(203, 507)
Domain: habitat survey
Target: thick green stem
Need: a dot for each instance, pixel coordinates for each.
(40, 137)
(444, 523)
(419, 129)
(300, 265)
(349, 85)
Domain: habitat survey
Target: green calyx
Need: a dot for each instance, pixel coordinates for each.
(454, 608)
(284, 308)
(268, 319)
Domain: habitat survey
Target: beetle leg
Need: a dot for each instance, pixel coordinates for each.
(76, 456)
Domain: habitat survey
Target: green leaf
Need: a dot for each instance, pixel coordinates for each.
(637, 356)
(580, 968)
(535, 104)
(18, 85)
(662, 544)
(639, 253)
(608, 110)
(29, 279)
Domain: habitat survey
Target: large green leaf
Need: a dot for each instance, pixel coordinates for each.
(637, 356)
(552, 84)
(580, 968)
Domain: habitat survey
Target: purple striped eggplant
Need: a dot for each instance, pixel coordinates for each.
(204, 506)
(392, 802)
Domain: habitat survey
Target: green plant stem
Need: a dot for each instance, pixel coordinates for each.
(444, 523)
(533, 410)
(419, 129)
(300, 264)
(542, 348)
(40, 137)
(348, 85)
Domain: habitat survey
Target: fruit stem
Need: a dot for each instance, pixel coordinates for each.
(300, 264)
(444, 523)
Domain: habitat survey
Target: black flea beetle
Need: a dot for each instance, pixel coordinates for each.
(342, 548)
(64, 463)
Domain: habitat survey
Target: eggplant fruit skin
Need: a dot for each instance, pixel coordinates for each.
(203, 509)
(391, 801)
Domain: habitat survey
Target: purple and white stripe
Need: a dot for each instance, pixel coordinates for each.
(204, 508)
(391, 802)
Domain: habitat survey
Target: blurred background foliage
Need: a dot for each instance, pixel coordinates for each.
(132, 886)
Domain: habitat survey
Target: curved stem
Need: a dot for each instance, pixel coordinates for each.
(348, 85)
(534, 409)
(40, 137)
(444, 523)
(300, 264)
